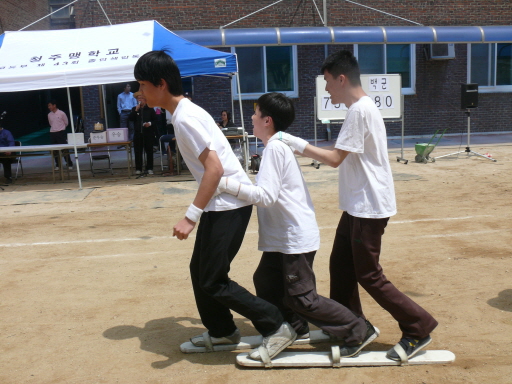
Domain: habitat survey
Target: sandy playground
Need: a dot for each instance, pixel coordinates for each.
(94, 288)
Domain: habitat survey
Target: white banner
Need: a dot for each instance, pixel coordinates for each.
(98, 55)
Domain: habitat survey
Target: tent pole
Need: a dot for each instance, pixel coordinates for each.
(242, 120)
(74, 140)
(240, 102)
(105, 112)
(232, 106)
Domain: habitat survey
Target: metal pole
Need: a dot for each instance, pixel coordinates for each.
(232, 106)
(246, 150)
(469, 128)
(325, 13)
(74, 140)
(104, 106)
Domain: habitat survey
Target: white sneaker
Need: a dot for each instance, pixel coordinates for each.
(56, 168)
(276, 342)
(150, 171)
(138, 172)
(234, 338)
(70, 168)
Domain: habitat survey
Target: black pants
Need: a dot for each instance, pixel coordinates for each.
(143, 143)
(61, 137)
(219, 237)
(288, 281)
(355, 259)
(6, 164)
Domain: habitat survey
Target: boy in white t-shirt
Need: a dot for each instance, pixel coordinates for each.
(224, 218)
(367, 197)
(289, 235)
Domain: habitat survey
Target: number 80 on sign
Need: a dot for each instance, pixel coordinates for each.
(382, 101)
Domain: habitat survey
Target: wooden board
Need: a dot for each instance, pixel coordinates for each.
(324, 359)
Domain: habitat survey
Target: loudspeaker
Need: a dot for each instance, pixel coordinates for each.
(468, 96)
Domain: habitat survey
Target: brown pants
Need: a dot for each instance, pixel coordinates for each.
(288, 282)
(355, 259)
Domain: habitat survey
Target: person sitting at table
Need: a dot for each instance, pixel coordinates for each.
(6, 140)
(225, 121)
(145, 122)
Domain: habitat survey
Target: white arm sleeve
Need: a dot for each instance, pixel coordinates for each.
(269, 181)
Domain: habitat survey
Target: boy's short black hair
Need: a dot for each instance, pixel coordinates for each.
(279, 107)
(154, 66)
(343, 63)
(52, 101)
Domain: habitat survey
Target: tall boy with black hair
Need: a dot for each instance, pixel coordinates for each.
(289, 235)
(224, 218)
(367, 197)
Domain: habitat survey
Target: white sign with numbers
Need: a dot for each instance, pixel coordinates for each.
(385, 91)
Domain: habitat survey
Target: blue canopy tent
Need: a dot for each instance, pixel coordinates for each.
(32, 60)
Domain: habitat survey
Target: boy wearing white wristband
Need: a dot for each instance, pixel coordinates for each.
(223, 218)
(289, 235)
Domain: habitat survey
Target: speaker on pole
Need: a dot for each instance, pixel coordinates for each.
(468, 95)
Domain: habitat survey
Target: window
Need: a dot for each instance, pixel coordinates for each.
(389, 59)
(490, 66)
(266, 69)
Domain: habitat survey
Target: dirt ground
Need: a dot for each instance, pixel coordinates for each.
(94, 288)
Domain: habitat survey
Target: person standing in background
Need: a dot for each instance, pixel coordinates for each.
(58, 123)
(144, 122)
(125, 103)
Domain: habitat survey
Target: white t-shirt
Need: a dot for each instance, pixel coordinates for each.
(366, 186)
(195, 131)
(286, 216)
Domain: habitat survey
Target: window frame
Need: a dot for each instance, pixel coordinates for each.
(254, 96)
(488, 88)
(405, 90)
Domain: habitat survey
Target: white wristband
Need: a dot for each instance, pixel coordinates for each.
(193, 213)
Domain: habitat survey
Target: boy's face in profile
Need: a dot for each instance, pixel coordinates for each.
(150, 93)
(334, 86)
(262, 126)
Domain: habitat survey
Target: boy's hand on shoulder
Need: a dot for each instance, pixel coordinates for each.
(292, 141)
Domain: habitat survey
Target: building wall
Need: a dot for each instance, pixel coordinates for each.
(198, 14)
(436, 104)
(15, 15)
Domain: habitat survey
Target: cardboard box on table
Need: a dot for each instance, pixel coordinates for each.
(117, 135)
(98, 137)
(77, 138)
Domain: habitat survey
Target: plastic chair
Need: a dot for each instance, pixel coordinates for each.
(18, 160)
(98, 154)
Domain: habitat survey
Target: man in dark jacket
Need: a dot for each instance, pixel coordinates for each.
(145, 124)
